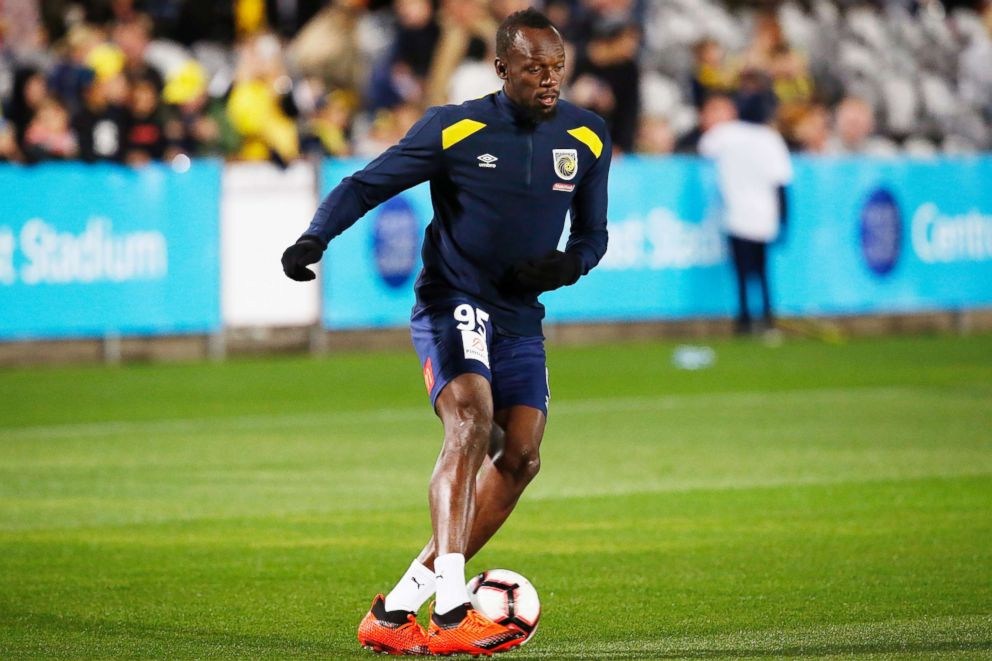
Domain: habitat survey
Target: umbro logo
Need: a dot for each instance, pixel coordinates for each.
(487, 161)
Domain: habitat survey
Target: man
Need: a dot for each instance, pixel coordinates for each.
(753, 168)
(503, 171)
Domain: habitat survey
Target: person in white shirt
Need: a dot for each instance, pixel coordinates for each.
(753, 169)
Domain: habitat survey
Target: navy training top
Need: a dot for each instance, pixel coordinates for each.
(500, 188)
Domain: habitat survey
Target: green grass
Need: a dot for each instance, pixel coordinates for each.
(805, 501)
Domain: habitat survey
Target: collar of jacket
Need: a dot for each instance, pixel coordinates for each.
(513, 112)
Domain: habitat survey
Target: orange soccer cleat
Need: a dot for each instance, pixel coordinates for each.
(467, 631)
(392, 632)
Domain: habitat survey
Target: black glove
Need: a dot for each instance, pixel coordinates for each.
(551, 271)
(307, 250)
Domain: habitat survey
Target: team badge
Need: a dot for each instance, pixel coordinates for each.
(566, 162)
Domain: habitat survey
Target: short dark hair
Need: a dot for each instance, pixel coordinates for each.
(507, 32)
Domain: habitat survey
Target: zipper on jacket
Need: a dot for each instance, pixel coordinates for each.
(530, 157)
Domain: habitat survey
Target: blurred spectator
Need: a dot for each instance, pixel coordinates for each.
(854, 130)
(711, 74)
(71, 75)
(767, 38)
(467, 28)
(716, 109)
(286, 17)
(196, 124)
(101, 124)
(607, 80)
(255, 106)
(49, 136)
(9, 151)
(132, 36)
(29, 91)
(791, 81)
(329, 131)
(809, 129)
(387, 129)
(655, 136)
(753, 168)
(755, 100)
(145, 140)
(402, 73)
(327, 47)
(21, 30)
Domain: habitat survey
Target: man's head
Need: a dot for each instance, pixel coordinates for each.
(530, 59)
(717, 109)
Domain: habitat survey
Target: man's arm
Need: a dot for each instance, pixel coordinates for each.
(588, 236)
(411, 161)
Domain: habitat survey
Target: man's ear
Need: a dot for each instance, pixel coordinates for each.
(501, 69)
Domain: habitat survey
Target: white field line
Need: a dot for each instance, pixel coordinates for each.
(328, 419)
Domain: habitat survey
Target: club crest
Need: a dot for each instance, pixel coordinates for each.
(566, 162)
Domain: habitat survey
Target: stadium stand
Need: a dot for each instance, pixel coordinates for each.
(134, 81)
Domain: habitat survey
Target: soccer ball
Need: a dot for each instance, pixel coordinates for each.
(507, 598)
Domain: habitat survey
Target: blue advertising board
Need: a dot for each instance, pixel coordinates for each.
(864, 236)
(90, 250)
(369, 271)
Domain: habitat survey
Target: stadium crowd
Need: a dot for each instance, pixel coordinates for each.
(135, 81)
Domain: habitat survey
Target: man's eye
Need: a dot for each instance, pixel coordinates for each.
(533, 69)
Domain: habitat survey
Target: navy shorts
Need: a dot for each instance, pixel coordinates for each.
(455, 336)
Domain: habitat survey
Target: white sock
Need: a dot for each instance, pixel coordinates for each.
(449, 574)
(416, 587)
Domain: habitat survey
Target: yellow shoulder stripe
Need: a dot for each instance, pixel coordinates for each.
(459, 131)
(588, 137)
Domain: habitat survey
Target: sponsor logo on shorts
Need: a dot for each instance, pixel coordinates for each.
(567, 188)
(429, 375)
(475, 346)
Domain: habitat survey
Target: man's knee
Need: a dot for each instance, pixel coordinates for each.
(520, 465)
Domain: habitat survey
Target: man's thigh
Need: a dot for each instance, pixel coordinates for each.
(519, 373)
(451, 338)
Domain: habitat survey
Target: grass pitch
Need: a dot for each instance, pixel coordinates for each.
(803, 501)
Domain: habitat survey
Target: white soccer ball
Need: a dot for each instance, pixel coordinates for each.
(507, 598)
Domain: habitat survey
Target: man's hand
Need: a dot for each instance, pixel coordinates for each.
(307, 250)
(551, 271)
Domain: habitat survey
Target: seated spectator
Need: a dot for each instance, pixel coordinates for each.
(402, 73)
(132, 36)
(328, 132)
(655, 136)
(49, 136)
(9, 151)
(711, 74)
(606, 80)
(29, 92)
(255, 106)
(145, 141)
(854, 130)
(71, 75)
(101, 124)
(812, 130)
(791, 80)
(468, 32)
(327, 47)
(196, 124)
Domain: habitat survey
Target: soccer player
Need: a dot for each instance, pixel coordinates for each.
(503, 170)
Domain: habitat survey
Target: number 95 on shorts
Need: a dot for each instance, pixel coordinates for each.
(456, 336)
